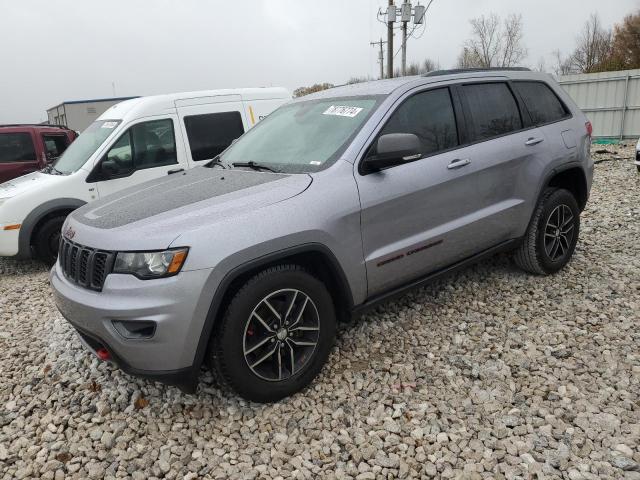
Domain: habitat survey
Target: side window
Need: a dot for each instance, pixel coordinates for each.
(493, 110)
(542, 103)
(430, 116)
(54, 145)
(145, 145)
(16, 147)
(210, 134)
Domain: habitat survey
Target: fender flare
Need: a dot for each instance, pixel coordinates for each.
(37, 214)
(256, 263)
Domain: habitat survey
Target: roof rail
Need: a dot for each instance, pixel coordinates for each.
(50, 125)
(437, 73)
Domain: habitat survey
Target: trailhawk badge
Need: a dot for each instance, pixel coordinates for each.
(69, 233)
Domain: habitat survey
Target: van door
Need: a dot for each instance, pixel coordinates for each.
(144, 151)
(209, 125)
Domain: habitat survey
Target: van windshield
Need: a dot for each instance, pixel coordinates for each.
(302, 137)
(85, 145)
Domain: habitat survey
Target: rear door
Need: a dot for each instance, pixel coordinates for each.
(144, 151)
(548, 113)
(504, 153)
(18, 155)
(209, 125)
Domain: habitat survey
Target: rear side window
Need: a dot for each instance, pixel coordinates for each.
(430, 116)
(54, 145)
(493, 110)
(16, 147)
(210, 134)
(543, 105)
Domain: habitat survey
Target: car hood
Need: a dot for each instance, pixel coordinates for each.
(26, 183)
(155, 213)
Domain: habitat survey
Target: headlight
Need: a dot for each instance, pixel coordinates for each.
(147, 265)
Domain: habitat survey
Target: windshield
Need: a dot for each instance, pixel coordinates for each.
(85, 145)
(302, 137)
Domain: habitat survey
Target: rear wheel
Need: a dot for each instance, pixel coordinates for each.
(47, 240)
(275, 335)
(552, 234)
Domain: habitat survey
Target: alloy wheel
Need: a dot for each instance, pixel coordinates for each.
(558, 232)
(281, 334)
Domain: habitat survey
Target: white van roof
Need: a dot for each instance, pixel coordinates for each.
(159, 104)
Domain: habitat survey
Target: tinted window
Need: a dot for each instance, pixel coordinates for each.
(16, 147)
(543, 105)
(430, 116)
(54, 145)
(210, 134)
(145, 145)
(493, 110)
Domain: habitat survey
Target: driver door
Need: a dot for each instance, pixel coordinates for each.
(145, 151)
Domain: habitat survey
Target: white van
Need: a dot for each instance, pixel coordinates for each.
(132, 142)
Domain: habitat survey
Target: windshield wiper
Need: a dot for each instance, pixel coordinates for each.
(215, 161)
(50, 169)
(254, 166)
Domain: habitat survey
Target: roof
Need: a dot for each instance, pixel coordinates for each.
(94, 100)
(387, 86)
(158, 104)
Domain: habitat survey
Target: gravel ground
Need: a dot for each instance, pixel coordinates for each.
(491, 373)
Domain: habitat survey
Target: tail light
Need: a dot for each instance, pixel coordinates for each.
(589, 128)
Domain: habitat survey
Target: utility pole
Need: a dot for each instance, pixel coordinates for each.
(391, 17)
(380, 56)
(405, 17)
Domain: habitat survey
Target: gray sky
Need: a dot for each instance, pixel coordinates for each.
(75, 49)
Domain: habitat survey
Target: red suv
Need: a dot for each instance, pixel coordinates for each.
(27, 148)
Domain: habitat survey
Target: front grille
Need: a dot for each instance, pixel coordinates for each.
(85, 266)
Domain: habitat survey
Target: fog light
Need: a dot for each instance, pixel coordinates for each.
(103, 354)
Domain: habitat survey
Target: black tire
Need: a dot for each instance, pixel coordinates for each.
(536, 254)
(47, 240)
(239, 327)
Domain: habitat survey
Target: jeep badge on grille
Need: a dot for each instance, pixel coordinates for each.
(69, 233)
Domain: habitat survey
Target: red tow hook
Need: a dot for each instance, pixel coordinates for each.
(103, 354)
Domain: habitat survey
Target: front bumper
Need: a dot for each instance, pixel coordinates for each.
(171, 303)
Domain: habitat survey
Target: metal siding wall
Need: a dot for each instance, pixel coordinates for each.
(608, 99)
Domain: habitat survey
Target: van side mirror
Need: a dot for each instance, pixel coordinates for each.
(393, 149)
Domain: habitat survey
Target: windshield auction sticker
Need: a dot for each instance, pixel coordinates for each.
(109, 124)
(342, 111)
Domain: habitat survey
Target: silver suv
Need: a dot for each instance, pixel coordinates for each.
(333, 203)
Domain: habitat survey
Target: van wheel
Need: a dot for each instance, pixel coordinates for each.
(47, 240)
(552, 234)
(275, 335)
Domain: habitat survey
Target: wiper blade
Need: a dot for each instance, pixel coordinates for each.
(50, 169)
(215, 161)
(254, 166)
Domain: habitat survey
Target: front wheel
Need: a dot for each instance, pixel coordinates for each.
(275, 335)
(552, 234)
(47, 240)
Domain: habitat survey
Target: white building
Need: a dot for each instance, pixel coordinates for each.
(79, 114)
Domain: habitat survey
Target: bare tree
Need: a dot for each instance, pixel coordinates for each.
(417, 68)
(562, 65)
(594, 48)
(494, 43)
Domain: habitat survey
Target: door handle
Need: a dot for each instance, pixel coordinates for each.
(533, 141)
(176, 170)
(459, 163)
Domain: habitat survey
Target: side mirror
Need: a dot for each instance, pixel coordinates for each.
(394, 149)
